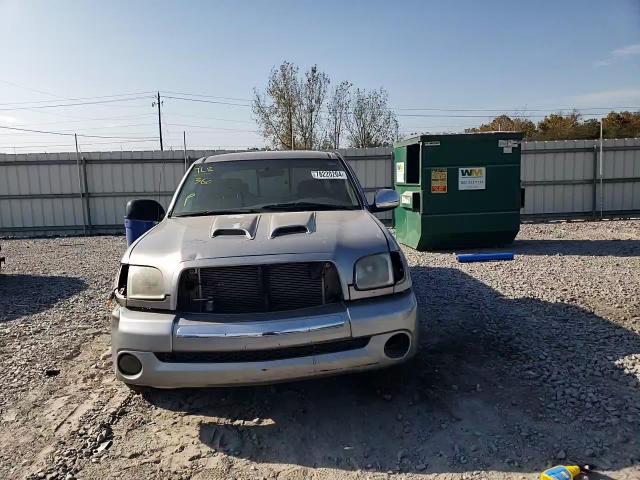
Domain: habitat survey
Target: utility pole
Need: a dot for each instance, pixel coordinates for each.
(158, 102)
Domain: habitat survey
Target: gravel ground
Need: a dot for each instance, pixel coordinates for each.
(522, 365)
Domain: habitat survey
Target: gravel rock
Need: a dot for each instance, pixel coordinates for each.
(520, 365)
(103, 446)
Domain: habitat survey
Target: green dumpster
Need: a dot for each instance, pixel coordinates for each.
(458, 190)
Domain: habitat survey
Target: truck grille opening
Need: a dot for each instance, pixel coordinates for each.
(259, 288)
(264, 355)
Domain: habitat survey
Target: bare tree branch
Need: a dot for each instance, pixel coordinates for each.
(337, 111)
(294, 112)
(371, 122)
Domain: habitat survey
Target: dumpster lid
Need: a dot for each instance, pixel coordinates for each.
(429, 137)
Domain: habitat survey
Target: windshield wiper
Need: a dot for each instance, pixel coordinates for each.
(307, 206)
(217, 212)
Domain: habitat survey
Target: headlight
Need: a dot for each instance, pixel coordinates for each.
(374, 271)
(145, 283)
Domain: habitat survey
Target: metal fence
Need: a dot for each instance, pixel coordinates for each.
(59, 193)
(568, 179)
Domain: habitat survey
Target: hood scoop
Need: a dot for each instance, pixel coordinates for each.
(235, 226)
(290, 223)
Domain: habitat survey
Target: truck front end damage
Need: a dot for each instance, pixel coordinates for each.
(267, 292)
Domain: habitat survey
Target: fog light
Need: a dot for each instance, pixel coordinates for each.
(129, 364)
(397, 346)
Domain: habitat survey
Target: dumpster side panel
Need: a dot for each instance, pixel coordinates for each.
(408, 221)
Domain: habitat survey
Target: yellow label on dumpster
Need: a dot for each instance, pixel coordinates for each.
(439, 180)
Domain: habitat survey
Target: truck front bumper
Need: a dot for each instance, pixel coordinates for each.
(201, 350)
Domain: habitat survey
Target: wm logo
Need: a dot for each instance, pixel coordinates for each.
(471, 172)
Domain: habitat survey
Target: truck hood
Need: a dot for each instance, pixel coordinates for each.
(340, 235)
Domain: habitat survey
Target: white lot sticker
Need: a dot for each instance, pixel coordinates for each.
(400, 172)
(508, 145)
(329, 174)
(432, 144)
(472, 178)
(406, 198)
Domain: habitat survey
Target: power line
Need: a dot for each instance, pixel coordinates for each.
(211, 128)
(517, 110)
(207, 101)
(496, 111)
(209, 96)
(211, 118)
(91, 119)
(67, 144)
(137, 95)
(29, 88)
(97, 102)
(90, 128)
(78, 98)
(71, 134)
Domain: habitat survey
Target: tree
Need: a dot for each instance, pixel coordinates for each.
(570, 126)
(312, 92)
(587, 130)
(558, 126)
(371, 123)
(275, 110)
(289, 112)
(622, 125)
(294, 112)
(504, 123)
(337, 114)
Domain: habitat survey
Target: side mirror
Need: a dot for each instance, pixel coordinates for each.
(385, 199)
(144, 209)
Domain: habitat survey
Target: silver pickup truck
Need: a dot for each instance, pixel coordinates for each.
(268, 266)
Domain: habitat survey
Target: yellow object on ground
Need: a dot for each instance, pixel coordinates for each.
(560, 472)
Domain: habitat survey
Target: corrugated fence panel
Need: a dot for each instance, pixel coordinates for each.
(40, 193)
(558, 176)
(38, 190)
(372, 166)
(112, 182)
(621, 164)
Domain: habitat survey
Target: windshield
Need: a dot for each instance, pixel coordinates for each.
(266, 185)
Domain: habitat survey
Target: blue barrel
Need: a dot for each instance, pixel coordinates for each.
(141, 215)
(135, 228)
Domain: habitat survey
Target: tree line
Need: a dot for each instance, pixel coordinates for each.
(570, 126)
(301, 112)
(305, 111)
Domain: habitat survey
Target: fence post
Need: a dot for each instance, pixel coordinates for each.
(184, 145)
(86, 193)
(84, 215)
(393, 181)
(594, 196)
